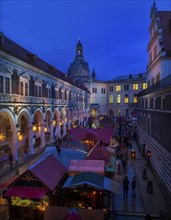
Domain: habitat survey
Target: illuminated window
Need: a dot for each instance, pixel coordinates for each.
(135, 86)
(118, 99)
(144, 85)
(119, 111)
(118, 88)
(126, 100)
(111, 99)
(135, 98)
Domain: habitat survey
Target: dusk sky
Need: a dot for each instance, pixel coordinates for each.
(114, 34)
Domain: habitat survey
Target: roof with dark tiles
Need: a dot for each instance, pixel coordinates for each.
(11, 48)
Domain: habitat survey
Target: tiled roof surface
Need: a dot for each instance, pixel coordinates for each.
(90, 178)
(49, 170)
(10, 47)
(99, 153)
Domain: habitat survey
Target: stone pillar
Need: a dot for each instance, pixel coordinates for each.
(30, 140)
(51, 131)
(42, 143)
(58, 129)
(14, 144)
(69, 123)
(64, 127)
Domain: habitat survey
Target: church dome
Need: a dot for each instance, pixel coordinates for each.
(79, 69)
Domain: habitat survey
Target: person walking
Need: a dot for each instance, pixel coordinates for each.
(126, 187)
(133, 186)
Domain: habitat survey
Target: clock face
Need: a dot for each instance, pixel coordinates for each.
(79, 52)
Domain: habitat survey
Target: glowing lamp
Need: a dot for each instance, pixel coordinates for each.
(45, 129)
(20, 136)
(2, 137)
(34, 128)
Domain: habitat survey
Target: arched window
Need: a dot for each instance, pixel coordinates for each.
(126, 99)
(111, 99)
(118, 99)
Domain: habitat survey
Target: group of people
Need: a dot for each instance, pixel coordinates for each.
(126, 186)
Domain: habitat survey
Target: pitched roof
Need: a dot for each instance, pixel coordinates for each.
(99, 153)
(92, 180)
(102, 133)
(10, 47)
(49, 171)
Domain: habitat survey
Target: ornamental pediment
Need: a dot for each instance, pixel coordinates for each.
(5, 70)
(25, 76)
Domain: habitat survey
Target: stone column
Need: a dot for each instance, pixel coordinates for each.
(51, 131)
(30, 140)
(69, 123)
(42, 135)
(64, 127)
(14, 144)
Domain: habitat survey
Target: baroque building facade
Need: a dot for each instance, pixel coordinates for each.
(37, 101)
(154, 103)
(115, 97)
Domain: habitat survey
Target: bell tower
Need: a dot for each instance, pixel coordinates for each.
(79, 50)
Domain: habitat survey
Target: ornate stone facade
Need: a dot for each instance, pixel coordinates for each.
(79, 69)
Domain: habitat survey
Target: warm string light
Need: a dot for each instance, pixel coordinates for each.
(2, 136)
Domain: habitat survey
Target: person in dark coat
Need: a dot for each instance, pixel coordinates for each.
(126, 187)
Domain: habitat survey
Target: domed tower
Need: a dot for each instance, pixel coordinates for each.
(79, 69)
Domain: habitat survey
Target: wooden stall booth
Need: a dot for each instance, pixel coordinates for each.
(32, 191)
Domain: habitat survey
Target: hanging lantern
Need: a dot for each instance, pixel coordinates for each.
(20, 136)
(34, 128)
(45, 129)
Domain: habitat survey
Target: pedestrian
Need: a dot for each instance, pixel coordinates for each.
(133, 186)
(10, 157)
(126, 187)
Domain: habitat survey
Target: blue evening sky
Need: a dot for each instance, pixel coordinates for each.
(114, 34)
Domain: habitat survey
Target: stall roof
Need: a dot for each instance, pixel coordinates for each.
(49, 170)
(80, 166)
(103, 134)
(26, 192)
(94, 180)
(66, 155)
(99, 153)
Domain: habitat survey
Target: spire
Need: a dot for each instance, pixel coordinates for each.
(153, 9)
(93, 75)
(79, 49)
